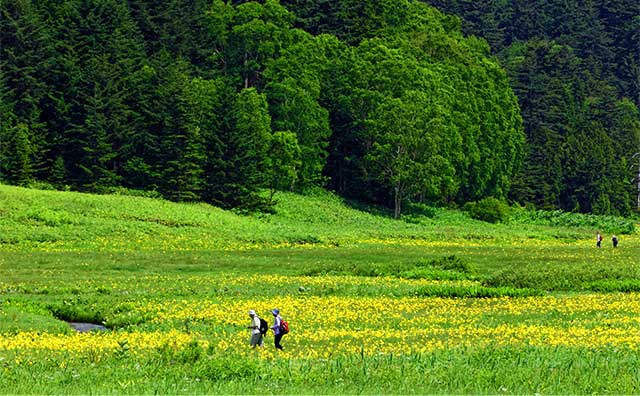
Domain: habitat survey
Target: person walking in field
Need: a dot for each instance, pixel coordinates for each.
(257, 338)
(598, 239)
(278, 332)
(614, 240)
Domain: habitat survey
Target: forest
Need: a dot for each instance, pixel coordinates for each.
(389, 102)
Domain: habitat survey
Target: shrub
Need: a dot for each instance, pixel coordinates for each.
(450, 263)
(565, 278)
(558, 218)
(419, 209)
(610, 286)
(488, 209)
(41, 185)
(73, 311)
(131, 192)
(434, 274)
(450, 291)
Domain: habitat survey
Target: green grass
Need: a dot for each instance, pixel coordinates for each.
(50, 220)
(492, 371)
(82, 257)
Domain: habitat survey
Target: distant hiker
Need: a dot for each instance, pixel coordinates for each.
(257, 338)
(598, 240)
(278, 331)
(614, 240)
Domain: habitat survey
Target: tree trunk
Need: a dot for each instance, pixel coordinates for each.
(397, 198)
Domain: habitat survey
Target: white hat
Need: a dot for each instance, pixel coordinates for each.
(252, 312)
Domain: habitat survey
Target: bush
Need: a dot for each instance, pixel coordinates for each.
(616, 285)
(41, 185)
(558, 218)
(450, 291)
(450, 263)
(435, 274)
(131, 192)
(489, 209)
(419, 209)
(442, 268)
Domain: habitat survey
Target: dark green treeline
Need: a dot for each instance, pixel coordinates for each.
(210, 100)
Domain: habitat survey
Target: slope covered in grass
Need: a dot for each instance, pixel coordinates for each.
(55, 220)
(70, 220)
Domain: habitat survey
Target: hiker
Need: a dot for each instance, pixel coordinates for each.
(598, 240)
(277, 328)
(257, 338)
(614, 240)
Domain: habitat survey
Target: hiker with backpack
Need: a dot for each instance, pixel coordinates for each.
(280, 327)
(258, 329)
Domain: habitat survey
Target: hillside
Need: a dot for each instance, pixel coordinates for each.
(54, 220)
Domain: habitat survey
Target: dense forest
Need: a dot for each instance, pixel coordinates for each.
(388, 102)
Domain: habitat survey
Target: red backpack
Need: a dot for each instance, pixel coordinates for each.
(284, 326)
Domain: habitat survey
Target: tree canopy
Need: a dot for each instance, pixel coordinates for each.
(386, 102)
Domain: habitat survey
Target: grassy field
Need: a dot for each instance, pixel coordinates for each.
(433, 303)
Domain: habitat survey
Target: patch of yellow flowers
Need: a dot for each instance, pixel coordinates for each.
(328, 326)
(95, 341)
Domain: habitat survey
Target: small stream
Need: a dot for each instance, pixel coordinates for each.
(86, 327)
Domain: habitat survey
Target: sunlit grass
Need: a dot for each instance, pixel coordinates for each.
(363, 294)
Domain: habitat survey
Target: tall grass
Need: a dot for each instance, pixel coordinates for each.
(489, 371)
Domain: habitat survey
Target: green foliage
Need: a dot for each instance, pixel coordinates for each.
(489, 209)
(614, 286)
(72, 311)
(133, 192)
(558, 218)
(15, 155)
(249, 148)
(293, 89)
(446, 268)
(17, 316)
(422, 210)
(155, 98)
(450, 263)
(475, 292)
(604, 278)
(284, 162)
(572, 84)
(399, 132)
(148, 99)
(228, 369)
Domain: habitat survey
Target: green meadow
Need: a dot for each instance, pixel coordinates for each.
(434, 302)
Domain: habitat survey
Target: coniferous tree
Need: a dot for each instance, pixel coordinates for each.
(247, 152)
(205, 102)
(25, 55)
(16, 153)
(181, 156)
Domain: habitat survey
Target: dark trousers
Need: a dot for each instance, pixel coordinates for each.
(277, 339)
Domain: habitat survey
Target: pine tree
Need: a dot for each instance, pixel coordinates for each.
(15, 155)
(25, 56)
(249, 142)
